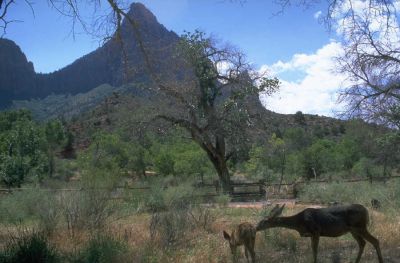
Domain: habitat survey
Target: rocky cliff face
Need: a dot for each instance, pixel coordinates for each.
(17, 75)
(118, 61)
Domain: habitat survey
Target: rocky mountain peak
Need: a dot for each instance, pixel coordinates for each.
(106, 65)
(141, 13)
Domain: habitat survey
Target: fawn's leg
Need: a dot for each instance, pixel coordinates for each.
(246, 253)
(251, 249)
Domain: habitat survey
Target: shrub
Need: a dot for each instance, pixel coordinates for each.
(169, 227)
(29, 248)
(31, 204)
(147, 254)
(222, 199)
(102, 249)
(202, 217)
(90, 209)
(171, 224)
(357, 192)
(365, 168)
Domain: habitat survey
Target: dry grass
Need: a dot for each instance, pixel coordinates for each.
(274, 245)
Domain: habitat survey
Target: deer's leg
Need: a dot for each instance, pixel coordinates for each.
(246, 253)
(361, 244)
(371, 239)
(314, 245)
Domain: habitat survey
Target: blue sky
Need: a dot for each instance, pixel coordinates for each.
(290, 45)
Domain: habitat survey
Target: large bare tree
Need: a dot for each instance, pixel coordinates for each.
(209, 100)
(371, 39)
(369, 32)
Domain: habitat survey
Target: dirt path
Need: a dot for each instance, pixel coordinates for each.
(288, 202)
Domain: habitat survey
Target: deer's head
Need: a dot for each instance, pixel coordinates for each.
(266, 223)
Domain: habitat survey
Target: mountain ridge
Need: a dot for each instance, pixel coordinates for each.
(105, 65)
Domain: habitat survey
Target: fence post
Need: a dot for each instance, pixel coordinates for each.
(217, 186)
(262, 190)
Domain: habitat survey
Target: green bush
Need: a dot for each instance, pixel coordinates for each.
(32, 204)
(29, 248)
(171, 224)
(365, 168)
(170, 227)
(168, 193)
(357, 192)
(102, 249)
(222, 199)
(89, 209)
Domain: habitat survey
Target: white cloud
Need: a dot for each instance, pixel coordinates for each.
(316, 91)
(317, 14)
(374, 16)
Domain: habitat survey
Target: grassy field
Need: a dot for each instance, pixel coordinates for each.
(170, 225)
(133, 239)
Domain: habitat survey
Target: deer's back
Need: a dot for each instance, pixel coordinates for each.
(337, 220)
(353, 215)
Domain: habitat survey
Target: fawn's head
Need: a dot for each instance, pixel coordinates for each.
(265, 223)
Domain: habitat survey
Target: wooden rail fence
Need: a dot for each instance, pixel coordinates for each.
(239, 191)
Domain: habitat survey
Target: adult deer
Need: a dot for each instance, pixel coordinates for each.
(243, 234)
(327, 222)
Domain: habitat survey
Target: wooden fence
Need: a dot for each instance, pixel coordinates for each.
(240, 191)
(290, 190)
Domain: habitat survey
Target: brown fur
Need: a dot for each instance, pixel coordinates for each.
(243, 234)
(329, 222)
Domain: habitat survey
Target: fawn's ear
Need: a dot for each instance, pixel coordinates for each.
(227, 236)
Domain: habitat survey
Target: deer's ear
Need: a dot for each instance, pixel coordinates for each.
(227, 236)
(279, 212)
(276, 211)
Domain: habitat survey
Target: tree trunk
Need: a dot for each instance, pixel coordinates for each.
(283, 162)
(221, 164)
(51, 163)
(223, 174)
(216, 154)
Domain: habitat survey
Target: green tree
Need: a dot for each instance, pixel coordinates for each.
(299, 118)
(258, 161)
(106, 152)
(389, 151)
(56, 138)
(348, 152)
(138, 159)
(296, 139)
(278, 150)
(22, 148)
(164, 161)
(320, 158)
(191, 160)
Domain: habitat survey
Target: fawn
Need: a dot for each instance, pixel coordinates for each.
(242, 234)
